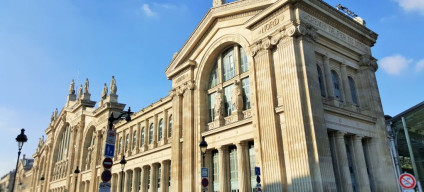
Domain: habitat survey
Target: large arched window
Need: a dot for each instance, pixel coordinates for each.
(230, 66)
(142, 137)
(160, 129)
(134, 139)
(321, 81)
(336, 85)
(353, 90)
(170, 126)
(151, 133)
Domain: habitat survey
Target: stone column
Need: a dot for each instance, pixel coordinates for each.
(342, 162)
(360, 165)
(144, 172)
(134, 187)
(164, 176)
(165, 127)
(155, 131)
(119, 188)
(146, 134)
(131, 140)
(243, 166)
(176, 165)
(137, 147)
(188, 157)
(154, 178)
(223, 169)
(328, 78)
(346, 86)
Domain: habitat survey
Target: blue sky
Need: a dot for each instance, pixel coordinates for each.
(45, 44)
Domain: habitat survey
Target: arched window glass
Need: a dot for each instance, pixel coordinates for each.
(321, 81)
(142, 137)
(337, 86)
(151, 133)
(243, 61)
(134, 139)
(127, 141)
(120, 145)
(228, 67)
(170, 126)
(353, 90)
(160, 129)
(213, 78)
(220, 87)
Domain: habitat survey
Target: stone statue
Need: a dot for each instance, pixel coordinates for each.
(55, 114)
(218, 107)
(72, 88)
(88, 159)
(80, 92)
(86, 86)
(218, 2)
(113, 88)
(236, 98)
(52, 117)
(104, 92)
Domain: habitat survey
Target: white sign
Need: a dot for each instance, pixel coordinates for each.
(111, 137)
(104, 187)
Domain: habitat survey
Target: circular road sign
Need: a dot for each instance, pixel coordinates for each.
(106, 176)
(258, 179)
(107, 163)
(205, 182)
(407, 181)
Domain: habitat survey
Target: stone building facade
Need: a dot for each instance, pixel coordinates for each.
(288, 86)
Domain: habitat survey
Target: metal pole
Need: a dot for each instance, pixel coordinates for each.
(122, 179)
(76, 180)
(203, 157)
(16, 170)
(411, 154)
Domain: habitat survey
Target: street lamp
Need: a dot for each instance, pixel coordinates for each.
(21, 139)
(76, 178)
(127, 117)
(203, 146)
(122, 162)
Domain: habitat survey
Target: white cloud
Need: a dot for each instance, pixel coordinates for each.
(395, 64)
(146, 9)
(419, 66)
(412, 5)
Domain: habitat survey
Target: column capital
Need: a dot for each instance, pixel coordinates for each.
(340, 134)
(358, 137)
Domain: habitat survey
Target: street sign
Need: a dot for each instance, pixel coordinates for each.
(257, 171)
(258, 179)
(111, 137)
(407, 181)
(104, 187)
(205, 182)
(109, 150)
(107, 163)
(106, 176)
(205, 172)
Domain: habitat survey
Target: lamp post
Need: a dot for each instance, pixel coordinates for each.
(76, 172)
(203, 146)
(42, 180)
(127, 117)
(122, 162)
(21, 139)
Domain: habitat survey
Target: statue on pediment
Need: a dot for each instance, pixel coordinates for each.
(219, 105)
(218, 2)
(86, 86)
(104, 91)
(80, 92)
(236, 97)
(113, 88)
(72, 88)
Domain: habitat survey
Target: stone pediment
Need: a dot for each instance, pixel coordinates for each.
(230, 11)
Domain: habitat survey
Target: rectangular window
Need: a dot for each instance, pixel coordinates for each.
(351, 168)
(148, 180)
(246, 93)
(130, 176)
(169, 175)
(215, 171)
(243, 61)
(227, 100)
(159, 175)
(252, 166)
(228, 65)
(234, 185)
(139, 180)
(211, 102)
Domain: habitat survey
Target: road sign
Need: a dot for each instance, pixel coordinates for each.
(257, 171)
(111, 137)
(205, 182)
(106, 176)
(258, 179)
(205, 172)
(107, 163)
(109, 150)
(407, 181)
(104, 187)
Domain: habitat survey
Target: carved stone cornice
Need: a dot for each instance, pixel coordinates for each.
(189, 85)
(368, 62)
